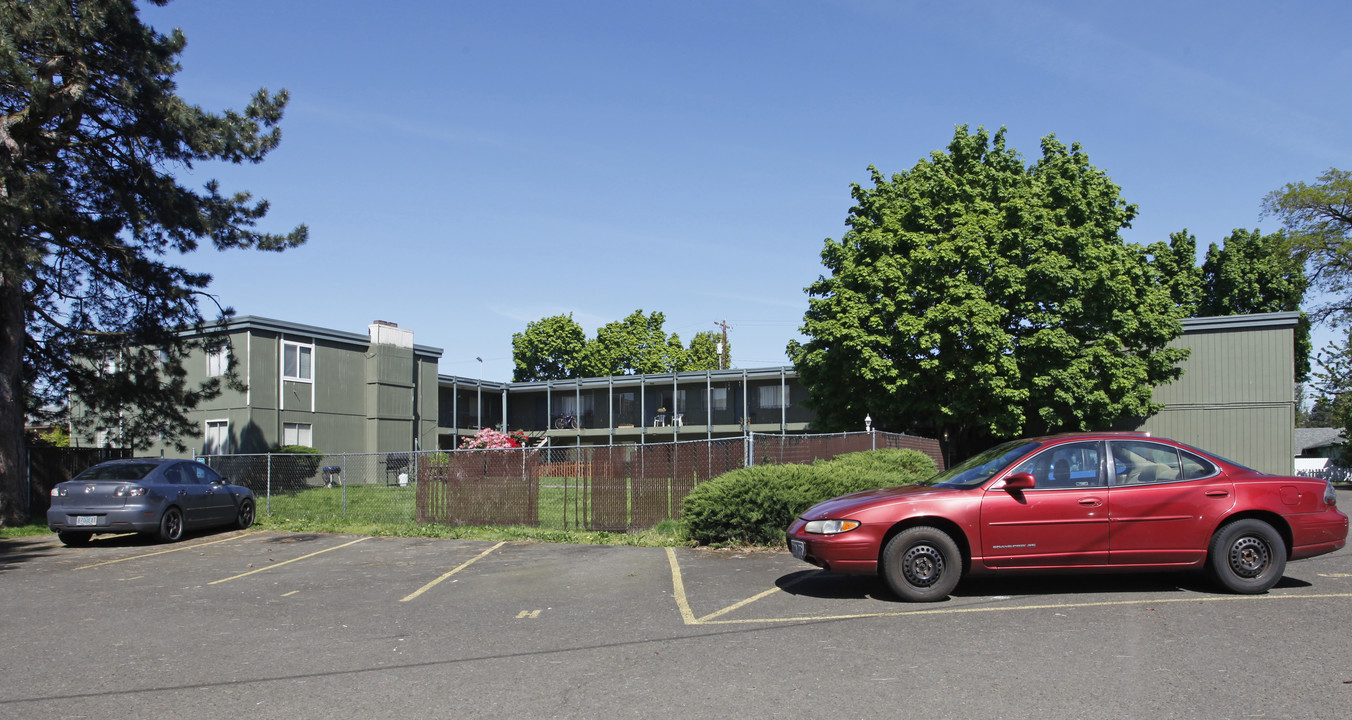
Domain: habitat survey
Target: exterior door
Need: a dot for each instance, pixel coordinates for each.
(191, 497)
(1165, 503)
(218, 505)
(1062, 521)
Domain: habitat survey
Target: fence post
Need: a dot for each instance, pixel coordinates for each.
(269, 503)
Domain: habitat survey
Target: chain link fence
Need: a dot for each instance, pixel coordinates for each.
(588, 487)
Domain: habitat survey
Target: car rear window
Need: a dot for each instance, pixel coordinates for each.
(118, 471)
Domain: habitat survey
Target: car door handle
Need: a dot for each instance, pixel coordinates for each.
(1091, 502)
(1217, 493)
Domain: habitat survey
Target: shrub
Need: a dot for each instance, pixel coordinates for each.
(306, 460)
(755, 505)
(874, 469)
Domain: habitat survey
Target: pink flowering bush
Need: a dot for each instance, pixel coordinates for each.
(490, 439)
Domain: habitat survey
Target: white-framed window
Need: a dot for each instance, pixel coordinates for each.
(298, 434)
(297, 361)
(718, 397)
(216, 437)
(218, 360)
(771, 396)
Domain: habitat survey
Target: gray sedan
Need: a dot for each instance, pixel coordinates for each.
(157, 497)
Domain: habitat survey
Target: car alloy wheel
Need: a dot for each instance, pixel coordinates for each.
(246, 514)
(171, 525)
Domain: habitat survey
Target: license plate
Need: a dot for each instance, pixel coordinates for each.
(86, 520)
(798, 548)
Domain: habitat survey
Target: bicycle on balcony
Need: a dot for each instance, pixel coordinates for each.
(566, 421)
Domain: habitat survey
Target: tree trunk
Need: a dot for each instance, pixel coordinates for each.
(13, 495)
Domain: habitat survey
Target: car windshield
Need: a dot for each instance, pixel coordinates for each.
(118, 471)
(979, 468)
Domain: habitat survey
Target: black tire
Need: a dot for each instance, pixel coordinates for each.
(245, 518)
(171, 525)
(922, 564)
(1247, 556)
(74, 539)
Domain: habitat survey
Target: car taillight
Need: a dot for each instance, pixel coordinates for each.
(1330, 495)
(130, 491)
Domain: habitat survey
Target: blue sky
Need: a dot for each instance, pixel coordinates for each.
(468, 167)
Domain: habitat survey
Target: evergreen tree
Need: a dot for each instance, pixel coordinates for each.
(91, 130)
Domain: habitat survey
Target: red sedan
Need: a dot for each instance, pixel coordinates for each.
(1082, 502)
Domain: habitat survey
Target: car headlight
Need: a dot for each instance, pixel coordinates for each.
(130, 491)
(60, 492)
(830, 527)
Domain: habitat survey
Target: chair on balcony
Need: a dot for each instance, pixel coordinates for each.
(659, 421)
(678, 420)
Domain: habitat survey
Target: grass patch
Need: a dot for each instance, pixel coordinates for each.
(25, 530)
(380, 510)
(664, 535)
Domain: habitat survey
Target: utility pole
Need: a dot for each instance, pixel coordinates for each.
(723, 346)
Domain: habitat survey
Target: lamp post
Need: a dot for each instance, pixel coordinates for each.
(868, 428)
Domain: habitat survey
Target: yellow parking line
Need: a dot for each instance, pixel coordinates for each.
(678, 589)
(286, 562)
(683, 604)
(1048, 606)
(161, 552)
(462, 566)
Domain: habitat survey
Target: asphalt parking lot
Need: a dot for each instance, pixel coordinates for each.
(282, 625)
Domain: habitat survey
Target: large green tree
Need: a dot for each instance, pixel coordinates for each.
(702, 354)
(1318, 222)
(978, 297)
(549, 349)
(635, 345)
(557, 347)
(1256, 273)
(1174, 265)
(92, 133)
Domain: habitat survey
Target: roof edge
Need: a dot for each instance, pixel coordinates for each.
(1241, 322)
(255, 322)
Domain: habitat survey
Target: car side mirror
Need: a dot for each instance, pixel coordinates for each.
(1020, 481)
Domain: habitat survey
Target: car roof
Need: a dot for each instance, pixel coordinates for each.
(1105, 434)
(143, 461)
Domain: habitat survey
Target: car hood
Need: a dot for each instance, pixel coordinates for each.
(846, 505)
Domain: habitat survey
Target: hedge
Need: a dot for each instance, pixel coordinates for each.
(753, 506)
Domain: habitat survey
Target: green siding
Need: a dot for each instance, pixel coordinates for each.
(1237, 394)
